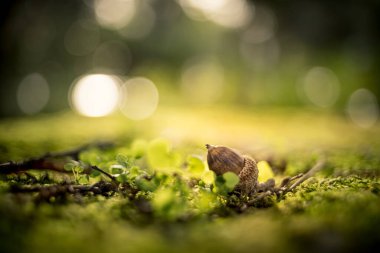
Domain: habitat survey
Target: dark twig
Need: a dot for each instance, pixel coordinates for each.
(288, 180)
(101, 187)
(103, 172)
(38, 188)
(318, 166)
(32, 164)
(52, 161)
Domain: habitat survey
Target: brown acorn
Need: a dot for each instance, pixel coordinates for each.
(223, 159)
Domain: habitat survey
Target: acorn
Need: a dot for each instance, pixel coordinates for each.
(224, 159)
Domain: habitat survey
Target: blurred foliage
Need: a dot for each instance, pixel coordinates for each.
(192, 60)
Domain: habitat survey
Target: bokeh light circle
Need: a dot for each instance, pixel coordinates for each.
(321, 86)
(139, 98)
(363, 108)
(226, 13)
(142, 24)
(114, 14)
(95, 95)
(33, 93)
(263, 27)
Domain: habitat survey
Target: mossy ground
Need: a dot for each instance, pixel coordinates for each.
(337, 210)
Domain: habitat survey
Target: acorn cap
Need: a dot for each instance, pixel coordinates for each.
(223, 159)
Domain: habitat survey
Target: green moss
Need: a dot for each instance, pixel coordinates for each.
(169, 202)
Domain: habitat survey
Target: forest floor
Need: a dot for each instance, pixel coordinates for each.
(336, 210)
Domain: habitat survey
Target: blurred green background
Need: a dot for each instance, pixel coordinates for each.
(307, 54)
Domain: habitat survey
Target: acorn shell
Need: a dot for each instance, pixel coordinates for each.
(223, 159)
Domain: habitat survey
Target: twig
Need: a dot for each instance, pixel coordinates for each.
(51, 161)
(101, 187)
(103, 172)
(56, 188)
(32, 164)
(288, 180)
(318, 166)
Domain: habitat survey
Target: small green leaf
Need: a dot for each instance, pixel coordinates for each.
(94, 173)
(117, 169)
(138, 148)
(157, 153)
(208, 177)
(195, 166)
(265, 171)
(146, 185)
(231, 180)
(90, 157)
(135, 171)
(123, 160)
(68, 166)
(160, 156)
(83, 179)
(78, 169)
(122, 178)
